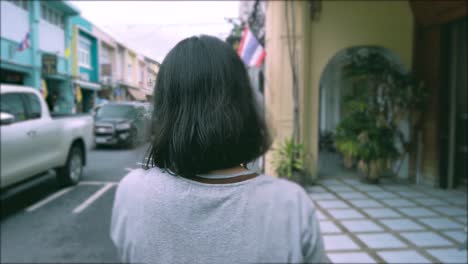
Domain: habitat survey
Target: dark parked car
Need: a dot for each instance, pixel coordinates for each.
(121, 124)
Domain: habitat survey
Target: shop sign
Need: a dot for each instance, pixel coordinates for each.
(49, 64)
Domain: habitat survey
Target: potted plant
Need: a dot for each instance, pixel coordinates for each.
(346, 136)
(382, 95)
(289, 161)
(376, 152)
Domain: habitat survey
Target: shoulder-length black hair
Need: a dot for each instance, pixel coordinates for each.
(205, 116)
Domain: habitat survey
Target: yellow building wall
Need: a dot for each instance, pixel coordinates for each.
(343, 24)
(133, 61)
(339, 25)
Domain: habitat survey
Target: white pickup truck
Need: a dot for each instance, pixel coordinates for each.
(33, 141)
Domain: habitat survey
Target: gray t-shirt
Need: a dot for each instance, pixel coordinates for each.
(161, 218)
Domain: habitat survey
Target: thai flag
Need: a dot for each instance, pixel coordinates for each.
(24, 44)
(250, 50)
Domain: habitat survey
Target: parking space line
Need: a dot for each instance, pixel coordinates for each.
(139, 163)
(92, 198)
(95, 182)
(48, 199)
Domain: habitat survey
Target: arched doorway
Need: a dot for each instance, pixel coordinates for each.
(334, 87)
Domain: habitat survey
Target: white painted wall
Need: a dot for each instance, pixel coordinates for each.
(119, 65)
(51, 38)
(14, 21)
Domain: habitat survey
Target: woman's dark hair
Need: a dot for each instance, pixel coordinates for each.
(205, 116)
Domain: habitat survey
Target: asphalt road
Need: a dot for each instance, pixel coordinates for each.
(50, 225)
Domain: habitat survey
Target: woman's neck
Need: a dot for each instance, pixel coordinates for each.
(232, 170)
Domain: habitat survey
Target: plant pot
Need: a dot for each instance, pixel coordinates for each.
(371, 171)
(348, 161)
(415, 117)
(375, 170)
(362, 168)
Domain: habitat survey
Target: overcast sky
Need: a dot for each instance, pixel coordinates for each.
(154, 27)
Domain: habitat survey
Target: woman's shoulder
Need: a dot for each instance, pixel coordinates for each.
(282, 189)
(139, 177)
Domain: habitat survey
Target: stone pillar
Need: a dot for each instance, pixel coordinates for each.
(278, 77)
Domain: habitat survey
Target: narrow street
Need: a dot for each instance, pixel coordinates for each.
(46, 224)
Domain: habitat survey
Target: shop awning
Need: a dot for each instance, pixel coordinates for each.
(88, 85)
(137, 94)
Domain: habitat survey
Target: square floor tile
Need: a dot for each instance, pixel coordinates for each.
(338, 242)
(351, 257)
(431, 202)
(320, 215)
(368, 188)
(440, 223)
(340, 188)
(381, 212)
(426, 239)
(402, 256)
(363, 203)
(316, 189)
(449, 255)
(460, 201)
(322, 196)
(382, 195)
(329, 227)
(345, 213)
(417, 212)
(434, 192)
(361, 226)
(402, 224)
(332, 204)
(398, 202)
(381, 241)
(450, 210)
(462, 220)
(330, 182)
(398, 188)
(351, 181)
(352, 195)
(413, 194)
(460, 235)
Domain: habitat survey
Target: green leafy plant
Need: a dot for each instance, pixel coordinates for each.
(288, 158)
(347, 133)
(382, 95)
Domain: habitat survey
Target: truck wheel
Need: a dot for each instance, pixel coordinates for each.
(71, 173)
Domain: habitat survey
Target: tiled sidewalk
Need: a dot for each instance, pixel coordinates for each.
(390, 222)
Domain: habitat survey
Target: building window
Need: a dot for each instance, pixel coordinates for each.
(84, 52)
(52, 16)
(142, 74)
(24, 4)
(129, 72)
(105, 55)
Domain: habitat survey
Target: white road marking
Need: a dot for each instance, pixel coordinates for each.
(139, 163)
(48, 199)
(129, 169)
(92, 198)
(96, 182)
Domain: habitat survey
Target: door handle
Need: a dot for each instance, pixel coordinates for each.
(31, 133)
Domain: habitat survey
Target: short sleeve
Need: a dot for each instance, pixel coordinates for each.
(119, 229)
(312, 242)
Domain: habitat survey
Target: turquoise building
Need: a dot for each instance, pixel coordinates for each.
(85, 61)
(35, 42)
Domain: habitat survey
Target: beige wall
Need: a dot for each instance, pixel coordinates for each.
(339, 25)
